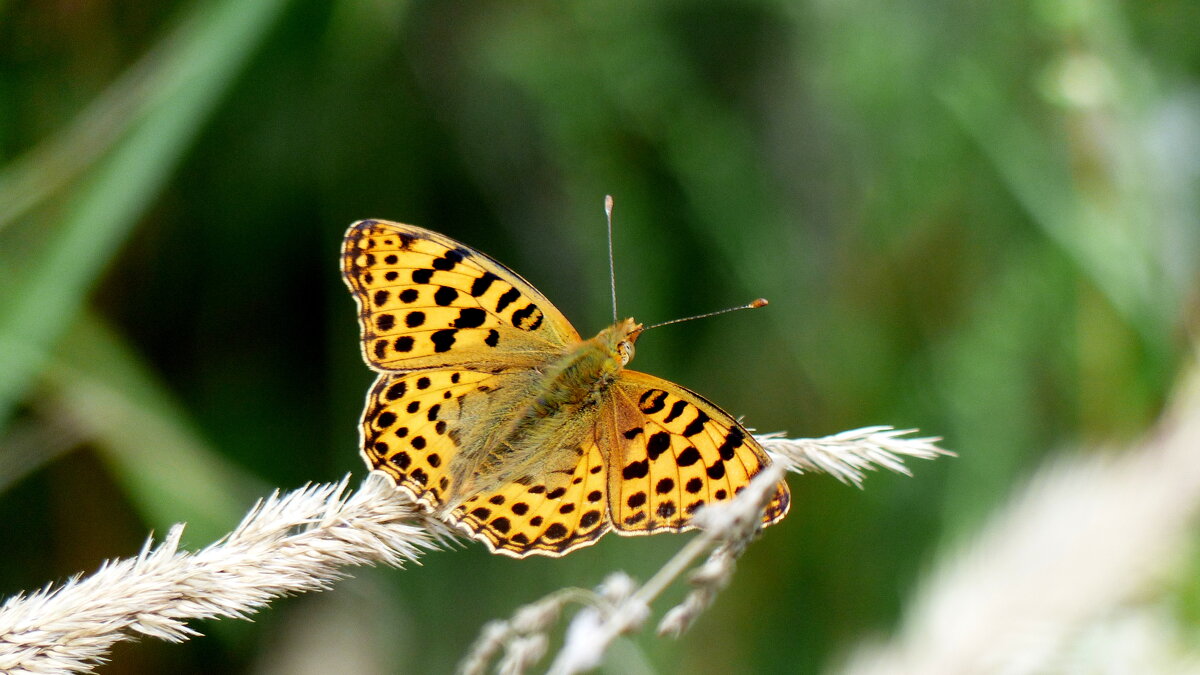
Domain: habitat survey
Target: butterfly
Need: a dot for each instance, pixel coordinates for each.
(493, 413)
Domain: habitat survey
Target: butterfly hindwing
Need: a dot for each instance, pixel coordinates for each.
(427, 301)
(411, 425)
(412, 429)
(549, 517)
(677, 452)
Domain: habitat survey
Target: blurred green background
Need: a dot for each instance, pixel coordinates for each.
(977, 219)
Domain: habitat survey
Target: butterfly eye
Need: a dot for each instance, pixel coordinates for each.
(625, 350)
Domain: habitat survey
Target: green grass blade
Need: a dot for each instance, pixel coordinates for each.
(170, 474)
(40, 304)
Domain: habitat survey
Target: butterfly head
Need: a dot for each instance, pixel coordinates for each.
(618, 340)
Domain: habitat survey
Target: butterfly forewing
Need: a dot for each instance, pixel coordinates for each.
(427, 301)
(678, 452)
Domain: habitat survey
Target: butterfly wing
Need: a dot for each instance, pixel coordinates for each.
(413, 422)
(427, 301)
(674, 452)
(413, 429)
(540, 516)
(457, 337)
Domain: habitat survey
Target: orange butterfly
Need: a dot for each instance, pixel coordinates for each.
(494, 414)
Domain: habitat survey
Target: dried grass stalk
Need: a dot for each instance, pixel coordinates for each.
(301, 540)
(287, 544)
(619, 606)
(1090, 538)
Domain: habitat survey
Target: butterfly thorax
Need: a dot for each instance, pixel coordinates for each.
(584, 373)
(567, 394)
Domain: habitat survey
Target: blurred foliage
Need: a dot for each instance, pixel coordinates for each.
(978, 219)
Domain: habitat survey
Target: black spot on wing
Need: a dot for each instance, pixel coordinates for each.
(445, 296)
(688, 457)
(470, 317)
(443, 339)
(677, 409)
(482, 284)
(507, 299)
(637, 469)
(697, 425)
(528, 317)
(733, 441)
(717, 470)
(657, 444)
(652, 401)
(448, 261)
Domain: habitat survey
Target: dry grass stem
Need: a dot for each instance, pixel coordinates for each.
(619, 607)
(849, 455)
(529, 625)
(287, 544)
(1090, 538)
(299, 542)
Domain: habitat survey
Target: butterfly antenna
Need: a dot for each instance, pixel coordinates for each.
(612, 269)
(761, 302)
